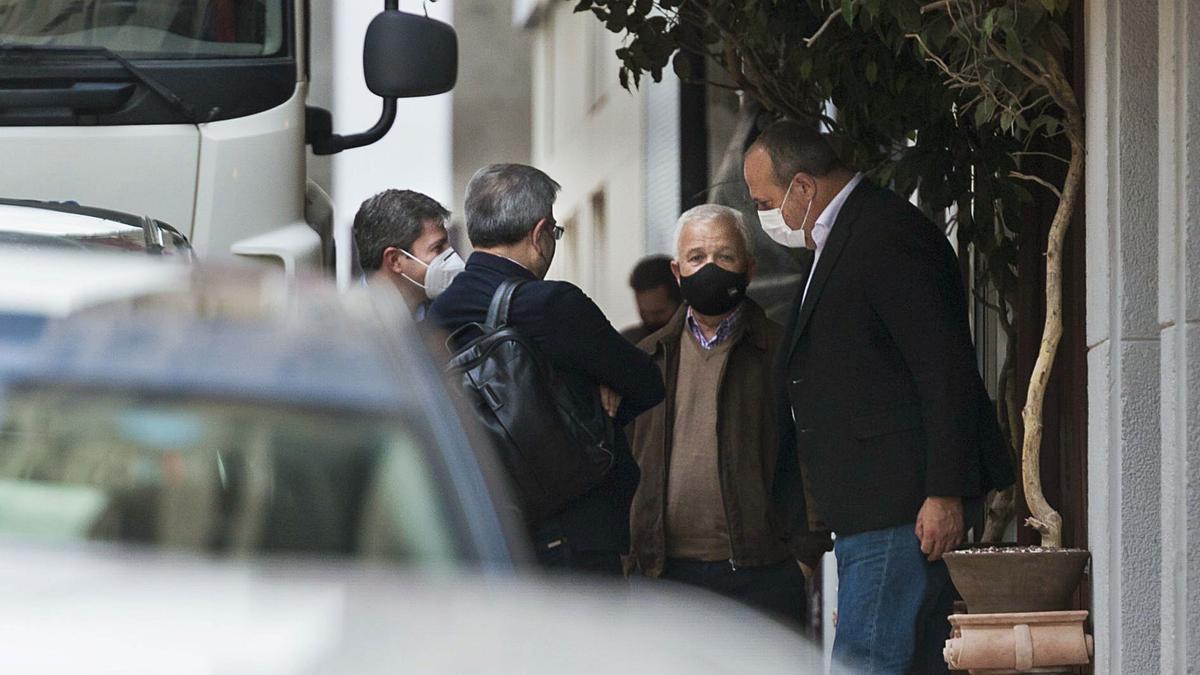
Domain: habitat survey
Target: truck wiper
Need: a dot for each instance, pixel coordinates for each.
(164, 92)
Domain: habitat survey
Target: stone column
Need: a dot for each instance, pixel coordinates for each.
(1179, 328)
(1123, 335)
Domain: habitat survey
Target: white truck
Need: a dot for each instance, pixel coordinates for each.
(193, 113)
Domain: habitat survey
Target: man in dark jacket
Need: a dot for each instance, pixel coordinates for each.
(708, 511)
(892, 421)
(512, 228)
(656, 293)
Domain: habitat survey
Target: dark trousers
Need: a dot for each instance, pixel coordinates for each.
(775, 589)
(562, 557)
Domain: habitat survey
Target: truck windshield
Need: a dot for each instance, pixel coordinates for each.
(150, 29)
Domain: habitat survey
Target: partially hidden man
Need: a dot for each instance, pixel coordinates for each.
(891, 420)
(710, 508)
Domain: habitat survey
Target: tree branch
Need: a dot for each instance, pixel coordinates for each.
(808, 42)
(1032, 153)
(1040, 181)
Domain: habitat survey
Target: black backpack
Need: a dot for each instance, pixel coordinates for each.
(554, 451)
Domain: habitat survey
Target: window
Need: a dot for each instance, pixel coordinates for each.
(601, 63)
(149, 28)
(216, 477)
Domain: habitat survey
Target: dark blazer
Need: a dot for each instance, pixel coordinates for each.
(586, 351)
(879, 372)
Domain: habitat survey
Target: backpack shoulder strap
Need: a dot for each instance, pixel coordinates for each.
(501, 301)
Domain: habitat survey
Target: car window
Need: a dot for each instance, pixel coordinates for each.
(217, 477)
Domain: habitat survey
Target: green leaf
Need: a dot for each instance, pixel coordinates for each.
(681, 66)
(1059, 36)
(984, 111)
(1012, 44)
(848, 9)
(989, 23)
(908, 15)
(872, 7)
(872, 72)
(1049, 5)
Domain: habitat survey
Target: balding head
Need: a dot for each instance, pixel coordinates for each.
(711, 233)
(793, 168)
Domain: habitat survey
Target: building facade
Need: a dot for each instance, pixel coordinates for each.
(1143, 332)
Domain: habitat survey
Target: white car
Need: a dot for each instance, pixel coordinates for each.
(87, 610)
(29, 224)
(204, 471)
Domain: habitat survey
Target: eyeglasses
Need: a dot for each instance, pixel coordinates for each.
(557, 231)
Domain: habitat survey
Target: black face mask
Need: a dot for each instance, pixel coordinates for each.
(713, 290)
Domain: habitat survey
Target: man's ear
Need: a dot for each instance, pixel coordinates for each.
(751, 268)
(806, 182)
(393, 260)
(675, 270)
(537, 232)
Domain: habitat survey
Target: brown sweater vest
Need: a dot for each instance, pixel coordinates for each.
(696, 527)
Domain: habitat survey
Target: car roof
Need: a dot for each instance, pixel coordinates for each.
(147, 324)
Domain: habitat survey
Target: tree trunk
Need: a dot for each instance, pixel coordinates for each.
(1043, 517)
(1002, 506)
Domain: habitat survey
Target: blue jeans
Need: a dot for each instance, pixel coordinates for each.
(892, 604)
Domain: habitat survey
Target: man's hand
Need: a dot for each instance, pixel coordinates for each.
(609, 400)
(940, 526)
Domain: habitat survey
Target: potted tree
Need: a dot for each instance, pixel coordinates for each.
(1007, 59)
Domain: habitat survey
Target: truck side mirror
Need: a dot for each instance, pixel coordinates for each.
(404, 56)
(408, 55)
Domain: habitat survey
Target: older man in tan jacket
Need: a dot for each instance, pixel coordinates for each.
(718, 495)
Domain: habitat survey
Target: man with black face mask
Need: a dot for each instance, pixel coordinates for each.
(709, 454)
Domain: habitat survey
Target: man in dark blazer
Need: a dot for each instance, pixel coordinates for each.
(886, 408)
(511, 226)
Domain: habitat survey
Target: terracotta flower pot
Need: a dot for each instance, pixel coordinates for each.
(999, 579)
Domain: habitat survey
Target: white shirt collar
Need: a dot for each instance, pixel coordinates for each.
(828, 217)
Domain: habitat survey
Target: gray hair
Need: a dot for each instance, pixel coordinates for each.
(717, 213)
(504, 202)
(392, 218)
(796, 148)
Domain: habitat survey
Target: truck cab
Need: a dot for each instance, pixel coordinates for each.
(192, 112)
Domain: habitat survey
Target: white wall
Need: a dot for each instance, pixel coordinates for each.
(416, 154)
(1143, 334)
(588, 135)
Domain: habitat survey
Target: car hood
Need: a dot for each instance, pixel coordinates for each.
(110, 609)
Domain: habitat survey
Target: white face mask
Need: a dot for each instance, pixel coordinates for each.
(439, 272)
(777, 228)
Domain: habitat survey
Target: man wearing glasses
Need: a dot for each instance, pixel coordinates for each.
(510, 222)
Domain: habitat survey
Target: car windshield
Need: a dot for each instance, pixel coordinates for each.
(149, 28)
(217, 477)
